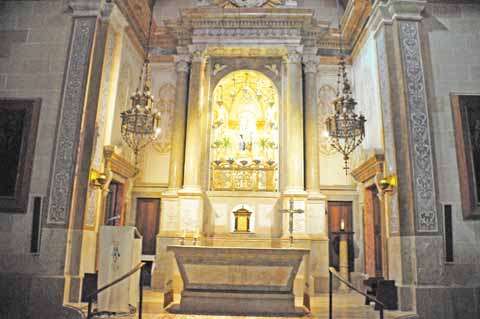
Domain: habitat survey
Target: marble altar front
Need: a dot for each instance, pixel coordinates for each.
(239, 281)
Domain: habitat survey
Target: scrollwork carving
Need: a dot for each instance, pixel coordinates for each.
(425, 202)
(71, 116)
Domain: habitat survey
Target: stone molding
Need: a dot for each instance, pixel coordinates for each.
(61, 184)
(420, 140)
(369, 169)
(247, 3)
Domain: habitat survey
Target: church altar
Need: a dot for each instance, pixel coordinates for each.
(243, 281)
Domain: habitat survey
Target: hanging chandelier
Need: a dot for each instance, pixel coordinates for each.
(140, 123)
(345, 129)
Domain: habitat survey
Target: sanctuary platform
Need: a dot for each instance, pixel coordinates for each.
(243, 281)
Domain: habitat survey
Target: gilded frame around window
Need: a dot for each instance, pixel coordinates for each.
(18, 202)
(468, 191)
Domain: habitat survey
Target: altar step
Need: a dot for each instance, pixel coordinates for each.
(346, 306)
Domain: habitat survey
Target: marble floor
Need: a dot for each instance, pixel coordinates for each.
(346, 306)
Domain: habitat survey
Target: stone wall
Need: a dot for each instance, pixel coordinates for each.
(34, 37)
(454, 43)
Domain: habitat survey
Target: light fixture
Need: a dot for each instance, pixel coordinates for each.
(97, 179)
(387, 184)
(346, 129)
(140, 123)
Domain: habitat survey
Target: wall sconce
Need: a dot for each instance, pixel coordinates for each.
(387, 184)
(97, 179)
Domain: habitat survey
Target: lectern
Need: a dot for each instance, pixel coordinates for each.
(120, 252)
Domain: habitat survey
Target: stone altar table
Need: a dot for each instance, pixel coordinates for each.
(243, 281)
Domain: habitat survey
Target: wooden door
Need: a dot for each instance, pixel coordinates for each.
(338, 211)
(148, 217)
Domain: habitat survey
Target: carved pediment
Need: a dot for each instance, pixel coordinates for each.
(247, 3)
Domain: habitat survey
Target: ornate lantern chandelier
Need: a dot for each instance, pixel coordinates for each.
(140, 123)
(346, 129)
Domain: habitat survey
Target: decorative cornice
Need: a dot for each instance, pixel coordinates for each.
(117, 163)
(369, 169)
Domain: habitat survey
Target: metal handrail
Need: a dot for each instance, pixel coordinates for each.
(138, 267)
(332, 272)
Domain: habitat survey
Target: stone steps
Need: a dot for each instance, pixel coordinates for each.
(346, 306)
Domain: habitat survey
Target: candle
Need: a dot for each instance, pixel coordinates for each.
(342, 225)
(184, 233)
(196, 234)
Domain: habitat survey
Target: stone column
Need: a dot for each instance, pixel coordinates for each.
(175, 176)
(193, 145)
(293, 121)
(312, 172)
(414, 228)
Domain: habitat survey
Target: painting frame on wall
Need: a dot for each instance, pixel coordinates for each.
(20, 118)
(465, 111)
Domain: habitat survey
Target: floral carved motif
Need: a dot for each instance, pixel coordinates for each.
(420, 140)
(68, 131)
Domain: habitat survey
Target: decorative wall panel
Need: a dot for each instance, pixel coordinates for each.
(70, 119)
(420, 140)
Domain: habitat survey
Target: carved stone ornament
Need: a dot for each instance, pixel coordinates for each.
(70, 120)
(425, 202)
(310, 64)
(247, 3)
(182, 63)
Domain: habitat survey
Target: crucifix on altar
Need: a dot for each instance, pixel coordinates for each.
(291, 211)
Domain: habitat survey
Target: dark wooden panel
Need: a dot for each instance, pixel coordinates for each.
(148, 217)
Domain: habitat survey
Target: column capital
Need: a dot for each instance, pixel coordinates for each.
(197, 52)
(293, 55)
(385, 13)
(406, 9)
(182, 62)
(90, 8)
(310, 63)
